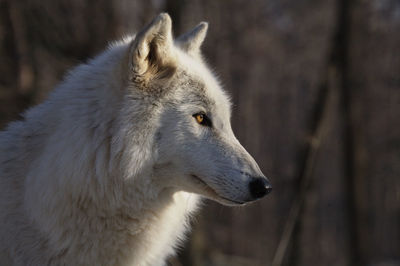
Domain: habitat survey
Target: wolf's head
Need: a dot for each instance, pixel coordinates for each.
(194, 148)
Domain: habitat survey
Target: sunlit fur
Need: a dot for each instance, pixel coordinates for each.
(107, 170)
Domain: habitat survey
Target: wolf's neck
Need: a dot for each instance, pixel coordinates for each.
(107, 219)
(145, 236)
(149, 237)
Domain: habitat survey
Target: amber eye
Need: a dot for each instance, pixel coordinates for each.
(202, 119)
(199, 118)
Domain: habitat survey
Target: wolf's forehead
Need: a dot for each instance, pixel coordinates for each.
(202, 90)
(198, 85)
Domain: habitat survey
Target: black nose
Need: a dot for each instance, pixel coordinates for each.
(259, 187)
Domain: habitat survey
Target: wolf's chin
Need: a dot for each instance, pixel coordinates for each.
(210, 193)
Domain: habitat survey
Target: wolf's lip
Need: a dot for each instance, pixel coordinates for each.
(228, 201)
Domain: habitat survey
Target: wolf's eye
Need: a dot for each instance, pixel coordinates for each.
(199, 118)
(202, 119)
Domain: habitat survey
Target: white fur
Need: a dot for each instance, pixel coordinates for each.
(100, 173)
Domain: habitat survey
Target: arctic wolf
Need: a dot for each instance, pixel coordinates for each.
(108, 169)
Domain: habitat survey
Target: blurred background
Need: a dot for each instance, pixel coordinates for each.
(316, 92)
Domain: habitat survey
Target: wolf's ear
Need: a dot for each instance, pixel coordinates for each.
(192, 40)
(151, 51)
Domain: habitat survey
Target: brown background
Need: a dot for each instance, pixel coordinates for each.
(316, 92)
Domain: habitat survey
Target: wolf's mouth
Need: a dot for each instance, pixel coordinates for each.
(212, 193)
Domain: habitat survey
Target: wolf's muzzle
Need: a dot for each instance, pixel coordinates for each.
(259, 187)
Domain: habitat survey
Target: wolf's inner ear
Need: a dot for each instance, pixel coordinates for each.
(151, 51)
(192, 40)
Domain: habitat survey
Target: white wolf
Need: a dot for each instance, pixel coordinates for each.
(108, 169)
